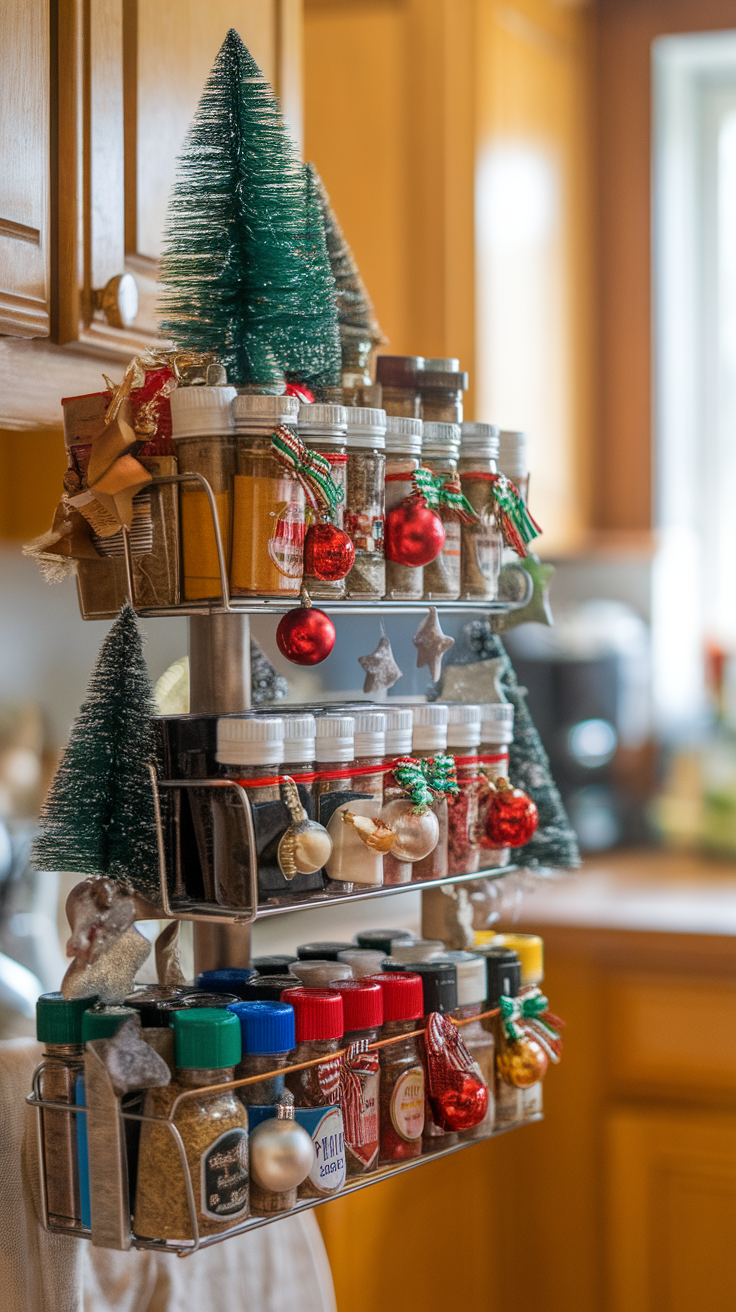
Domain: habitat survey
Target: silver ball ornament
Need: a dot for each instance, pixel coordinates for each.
(417, 834)
(281, 1155)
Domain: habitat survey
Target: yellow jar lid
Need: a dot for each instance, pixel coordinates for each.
(484, 936)
(530, 948)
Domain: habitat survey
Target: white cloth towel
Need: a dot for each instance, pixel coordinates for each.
(275, 1269)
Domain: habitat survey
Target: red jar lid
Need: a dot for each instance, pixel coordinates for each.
(403, 995)
(362, 1003)
(317, 1012)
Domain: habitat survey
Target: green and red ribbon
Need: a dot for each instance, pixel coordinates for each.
(409, 775)
(311, 468)
(513, 521)
(530, 1015)
(441, 774)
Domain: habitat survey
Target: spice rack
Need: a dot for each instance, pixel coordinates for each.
(112, 1192)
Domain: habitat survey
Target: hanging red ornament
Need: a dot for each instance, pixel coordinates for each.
(457, 1092)
(512, 816)
(305, 636)
(328, 553)
(414, 534)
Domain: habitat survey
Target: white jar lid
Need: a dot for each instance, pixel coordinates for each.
(370, 733)
(200, 411)
(334, 738)
(324, 421)
(512, 454)
(299, 735)
(362, 961)
(472, 978)
(420, 949)
(255, 410)
(463, 726)
(441, 364)
(430, 728)
(441, 439)
(257, 740)
(479, 440)
(399, 728)
(366, 427)
(497, 723)
(403, 435)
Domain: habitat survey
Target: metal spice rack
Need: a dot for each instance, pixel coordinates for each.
(111, 1207)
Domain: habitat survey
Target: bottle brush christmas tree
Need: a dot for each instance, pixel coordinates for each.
(245, 269)
(98, 817)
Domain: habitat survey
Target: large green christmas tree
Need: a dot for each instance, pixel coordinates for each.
(98, 817)
(245, 269)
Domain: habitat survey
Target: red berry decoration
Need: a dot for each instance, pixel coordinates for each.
(512, 816)
(305, 636)
(328, 553)
(414, 534)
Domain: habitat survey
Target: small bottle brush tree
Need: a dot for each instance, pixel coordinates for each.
(245, 270)
(98, 817)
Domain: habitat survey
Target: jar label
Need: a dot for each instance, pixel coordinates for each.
(286, 544)
(365, 528)
(452, 538)
(224, 1176)
(407, 1104)
(488, 552)
(328, 1172)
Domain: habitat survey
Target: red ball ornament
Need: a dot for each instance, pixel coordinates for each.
(462, 1105)
(414, 534)
(305, 636)
(512, 816)
(328, 553)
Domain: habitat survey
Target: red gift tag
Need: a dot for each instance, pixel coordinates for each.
(457, 1092)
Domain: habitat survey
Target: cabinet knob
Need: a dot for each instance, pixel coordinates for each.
(118, 300)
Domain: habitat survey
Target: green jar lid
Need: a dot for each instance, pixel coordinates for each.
(206, 1038)
(59, 1019)
(103, 1023)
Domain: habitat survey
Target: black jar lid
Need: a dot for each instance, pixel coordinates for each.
(153, 1003)
(439, 982)
(268, 988)
(322, 951)
(160, 1014)
(274, 965)
(381, 939)
(503, 973)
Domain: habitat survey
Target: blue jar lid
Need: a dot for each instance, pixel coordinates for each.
(230, 980)
(267, 1027)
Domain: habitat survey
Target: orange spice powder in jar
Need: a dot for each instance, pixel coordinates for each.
(202, 431)
(268, 502)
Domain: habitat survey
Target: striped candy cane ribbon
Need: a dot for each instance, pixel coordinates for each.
(311, 468)
(529, 1015)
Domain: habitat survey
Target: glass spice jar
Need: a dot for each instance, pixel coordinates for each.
(481, 543)
(441, 387)
(530, 950)
(153, 1005)
(440, 450)
(403, 458)
(362, 1004)
(364, 509)
(333, 754)
(268, 1036)
(247, 748)
(352, 860)
(399, 728)
(503, 979)
(202, 429)
(59, 1029)
(398, 377)
(429, 739)
(322, 428)
(472, 987)
(439, 993)
(463, 740)
(497, 733)
(401, 1068)
(268, 502)
(319, 1031)
(213, 1128)
(512, 460)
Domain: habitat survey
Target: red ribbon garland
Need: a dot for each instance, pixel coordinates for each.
(311, 776)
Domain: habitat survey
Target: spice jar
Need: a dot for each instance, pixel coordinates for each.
(530, 950)
(356, 858)
(362, 1003)
(441, 387)
(439, 992)
(463, 740)
(276, 964)
(100, 1022)
(248, 748)
(213, 1128)
(481, 543)
(268, 988)
(403, 458)
(153, 1003)
(503, 979)
(398, 377)
(430, 739)
(333, 756)
(322, 428)
(154, 533)
(382, 940)
(364, 508)
(268, 502)
(231, 979)
(401, 1068)
(59, 1029)
(202, 429)
(512, 460)
(319, 1030)
(440, 450)
(362, 961)
(268, 1036)
(299, 735)
(315, 974)
(497, 733)
(472, 987)
(399, 729)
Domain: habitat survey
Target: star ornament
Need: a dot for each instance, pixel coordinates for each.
(381, 670)
(431, 644)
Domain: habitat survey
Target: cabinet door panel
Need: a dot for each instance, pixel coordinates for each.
(672, 1211)
(24, 169)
